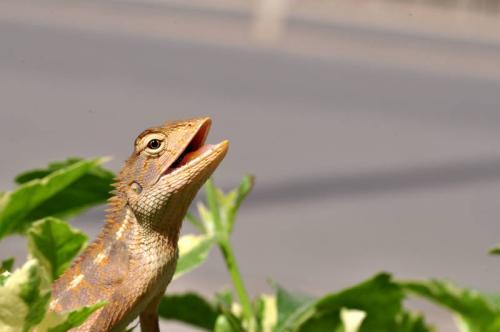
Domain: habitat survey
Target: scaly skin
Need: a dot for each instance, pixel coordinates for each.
(133, 259)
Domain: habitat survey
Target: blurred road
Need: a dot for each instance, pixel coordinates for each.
(367, 159)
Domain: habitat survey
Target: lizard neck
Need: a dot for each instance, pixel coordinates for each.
(152, 240)
(166, 224)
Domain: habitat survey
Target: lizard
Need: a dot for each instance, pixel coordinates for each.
(133, 259)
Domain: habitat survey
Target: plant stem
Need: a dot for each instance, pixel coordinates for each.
(227, 253)
(239, 286)
(213, 205)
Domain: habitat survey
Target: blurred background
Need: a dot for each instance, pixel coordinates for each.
(372, 126)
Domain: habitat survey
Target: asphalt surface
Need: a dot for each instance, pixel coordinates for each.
(361, 166)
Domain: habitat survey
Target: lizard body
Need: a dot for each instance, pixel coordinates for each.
(133, 259)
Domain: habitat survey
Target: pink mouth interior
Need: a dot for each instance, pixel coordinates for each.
(194, 149)
(186, 158)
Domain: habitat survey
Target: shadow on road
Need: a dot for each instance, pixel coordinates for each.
(397, 180)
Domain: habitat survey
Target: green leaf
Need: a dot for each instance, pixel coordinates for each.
(77, 317)
(54, 243)
(37, 311)
(413, 323)
(24, 296)
(193, 251)
(476, 311)
(235, 198)
(39, 173)
(224, 299)
(3, 277)
(35, 297)
(21, 207)
(197, 223)
(493, 298)
(206, 218)
(495, 251)
(213, 200)
(223, 207)
(228, 323)
(379, 297)
(322, 322)
(266, 313)
(91, 189)
(288, 303)
(222, 325)
(6, 265)
(189, 308)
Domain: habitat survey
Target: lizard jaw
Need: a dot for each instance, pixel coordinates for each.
(209, 152)
(196, 151)
(195, 147)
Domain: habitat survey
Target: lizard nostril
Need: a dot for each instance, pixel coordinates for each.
(136, 187)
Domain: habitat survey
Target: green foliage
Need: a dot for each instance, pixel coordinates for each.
(289, 303)
(6, 265)
(181, 307)
(76, 318)
(62, 189)
(52, 194)
(223, 207)
(54, 243)
(476, 311)
(380, 298)
(193, 251)
(66, 188)
(34, 296)
(24, 299)
(229, 204)
(375, 305)
(92, 188)
(228, 322)
(213, 224)
(495, 251)
(266, 312)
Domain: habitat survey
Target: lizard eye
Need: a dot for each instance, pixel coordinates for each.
(154, 144)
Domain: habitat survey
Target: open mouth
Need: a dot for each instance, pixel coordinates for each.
(194, 149)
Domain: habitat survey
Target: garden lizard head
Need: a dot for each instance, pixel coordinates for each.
(168, 166)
